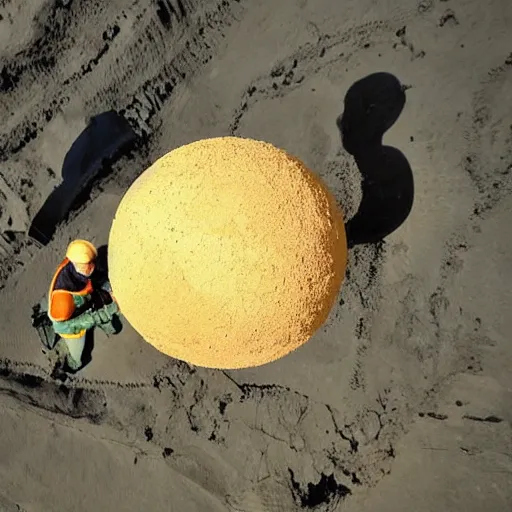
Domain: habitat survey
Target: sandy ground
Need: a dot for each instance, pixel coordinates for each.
(403, 400)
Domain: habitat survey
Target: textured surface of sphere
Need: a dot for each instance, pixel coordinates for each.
(227, 253)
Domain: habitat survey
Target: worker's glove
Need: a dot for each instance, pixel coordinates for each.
(105, 314)
(112, 308)
(86, 320)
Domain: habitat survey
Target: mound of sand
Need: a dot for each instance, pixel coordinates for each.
(227, 253)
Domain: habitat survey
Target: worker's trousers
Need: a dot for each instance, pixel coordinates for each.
(75, 348)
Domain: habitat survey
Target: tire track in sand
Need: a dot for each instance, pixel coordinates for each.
(185, 34)
(184, 45)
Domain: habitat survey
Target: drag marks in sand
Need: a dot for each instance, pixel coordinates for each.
(329, 50)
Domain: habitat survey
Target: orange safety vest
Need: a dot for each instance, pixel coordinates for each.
(60, 307)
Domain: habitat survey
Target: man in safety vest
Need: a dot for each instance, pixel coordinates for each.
(74, 305)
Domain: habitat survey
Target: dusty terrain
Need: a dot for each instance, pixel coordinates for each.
(403, 400)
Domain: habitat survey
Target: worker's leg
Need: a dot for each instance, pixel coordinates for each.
(75, 348)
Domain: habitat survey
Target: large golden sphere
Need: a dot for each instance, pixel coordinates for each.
(227, 253)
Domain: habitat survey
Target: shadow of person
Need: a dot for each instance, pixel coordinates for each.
(106, 137)
(88, 348)
(372, 105)
(100, 274)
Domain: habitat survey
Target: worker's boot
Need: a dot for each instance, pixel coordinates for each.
(72, 364)
(63, 358)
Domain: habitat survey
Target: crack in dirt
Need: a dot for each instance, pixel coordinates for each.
(486, 419)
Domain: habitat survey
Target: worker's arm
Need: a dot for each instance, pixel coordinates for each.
(86, 320)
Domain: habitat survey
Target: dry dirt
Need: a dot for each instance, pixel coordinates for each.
(403, 400)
